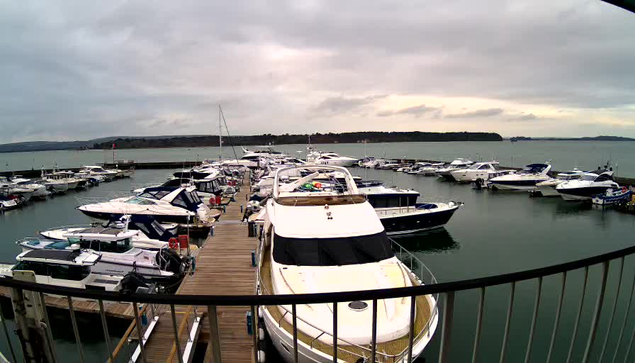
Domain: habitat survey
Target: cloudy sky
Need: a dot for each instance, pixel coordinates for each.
(78, 69)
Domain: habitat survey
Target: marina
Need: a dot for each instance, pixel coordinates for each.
(225, 261)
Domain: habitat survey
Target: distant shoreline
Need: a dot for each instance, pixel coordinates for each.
(265, 139)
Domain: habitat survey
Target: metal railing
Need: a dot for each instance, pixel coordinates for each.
(596, 341)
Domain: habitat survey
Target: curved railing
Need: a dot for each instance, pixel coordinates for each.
(447, 289)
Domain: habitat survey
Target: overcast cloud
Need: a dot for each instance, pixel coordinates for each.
(77, 69)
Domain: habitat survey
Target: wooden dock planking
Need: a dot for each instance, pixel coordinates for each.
(113, 309)
(223, 267)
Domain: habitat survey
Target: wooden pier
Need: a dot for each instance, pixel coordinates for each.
(223, 267)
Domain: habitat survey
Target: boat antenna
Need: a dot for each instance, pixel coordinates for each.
(220, 135)
(227, 128)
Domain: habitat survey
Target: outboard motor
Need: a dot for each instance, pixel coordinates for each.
(169, 260)
(132, 281)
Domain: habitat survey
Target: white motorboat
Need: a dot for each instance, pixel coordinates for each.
(89, 171)
(479, 171)
(417, 167)
(55, 184)
(331, 158)
(67, 177)
(118, 256)
(430, 170)
(547, 188)
(313, 239)
(525, 179)
(39, 190)
(11, 188)
(445, 172)
(166, 205)
(115, 230)
(399, 211)
(64, 268)
(589, 185)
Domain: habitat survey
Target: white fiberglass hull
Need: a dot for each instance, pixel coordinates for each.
(339, 162)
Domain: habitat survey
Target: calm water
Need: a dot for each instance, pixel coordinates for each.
(493, 233)
(564, 155)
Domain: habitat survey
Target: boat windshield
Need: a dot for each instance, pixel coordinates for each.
(141, 201)
(332, 251)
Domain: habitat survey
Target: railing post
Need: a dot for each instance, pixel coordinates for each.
(255, 332)
(295, 332)
(533, 321)
(411, 333)
(214, 335)
(596, 313)
(373, 342)
(577, 321)
(142, 348)
(75, 329)
(177, 338)
(508, 322)
(556, 323)
(335, 332)
(617, 298)
(446, 327)
(479, 321)
(104, 325)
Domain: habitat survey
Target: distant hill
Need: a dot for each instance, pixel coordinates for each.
(267, 139)
(595, 138)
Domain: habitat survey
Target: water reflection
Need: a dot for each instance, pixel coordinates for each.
(437, 240)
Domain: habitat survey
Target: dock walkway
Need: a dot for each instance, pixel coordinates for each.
(223, 267)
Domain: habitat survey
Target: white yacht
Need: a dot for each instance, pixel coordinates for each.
(430, 170)
(417, 167)
(54, 185)
(587, 186)
(331, 158)
(118, 256)
(62, 177)
(65, 268)
(9, 187)
(94, 170)
(39, 190)
(547, 188)
(525, 179)
(114, 230)
(479, 171)
(399, 211)
(456, 164)
(325, 240)
(166, 205)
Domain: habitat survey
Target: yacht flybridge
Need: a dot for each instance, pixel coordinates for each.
(320, 239)
(525, 179)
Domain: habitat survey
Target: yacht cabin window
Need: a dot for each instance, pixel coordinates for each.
(331, 251)
(140, 201)
(56, 271)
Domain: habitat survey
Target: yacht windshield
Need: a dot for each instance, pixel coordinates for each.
(141, 201)
(332, 251)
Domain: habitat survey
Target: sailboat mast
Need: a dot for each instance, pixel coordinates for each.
(220, 135)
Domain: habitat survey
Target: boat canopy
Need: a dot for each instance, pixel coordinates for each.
(535, 168)
(180, 197)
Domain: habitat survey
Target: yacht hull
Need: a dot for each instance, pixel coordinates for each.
(417, 221)
(577, 194)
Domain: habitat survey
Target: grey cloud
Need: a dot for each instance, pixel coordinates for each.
(340, 104)
(524, 117)
(416, 111)
(490, 112)
(68, 64)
